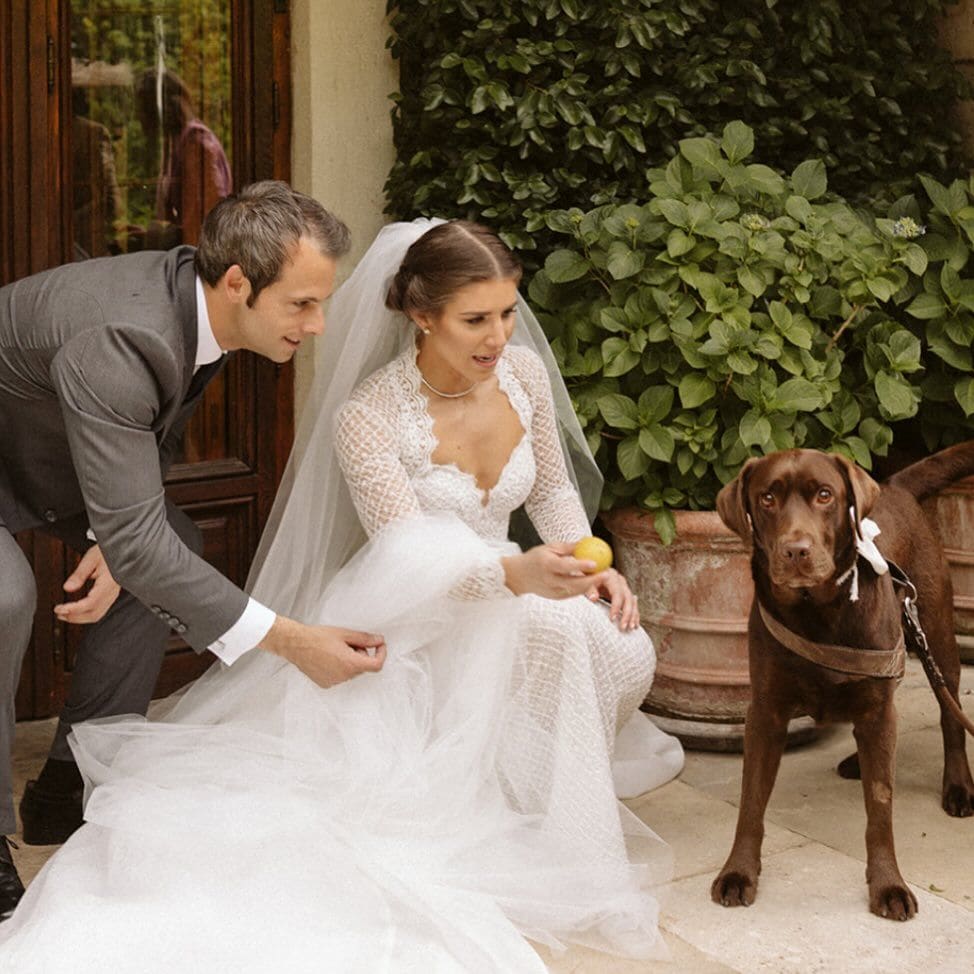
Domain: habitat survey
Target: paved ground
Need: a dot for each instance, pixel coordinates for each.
(811, 916)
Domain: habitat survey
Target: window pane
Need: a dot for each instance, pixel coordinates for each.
(151, 126)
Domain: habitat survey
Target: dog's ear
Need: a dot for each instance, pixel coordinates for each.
(865, 490)
(732, 505)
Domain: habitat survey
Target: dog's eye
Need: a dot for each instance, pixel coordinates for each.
(766, 499)
(824, 495)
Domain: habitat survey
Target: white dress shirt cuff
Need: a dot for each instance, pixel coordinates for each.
(245, 633)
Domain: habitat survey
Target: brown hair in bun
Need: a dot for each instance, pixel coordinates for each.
(445, 259)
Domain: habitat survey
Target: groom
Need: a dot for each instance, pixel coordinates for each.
(101, 365)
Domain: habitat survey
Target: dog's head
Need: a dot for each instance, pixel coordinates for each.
(794, 508)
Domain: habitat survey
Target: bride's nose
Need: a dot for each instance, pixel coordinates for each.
(498, 334)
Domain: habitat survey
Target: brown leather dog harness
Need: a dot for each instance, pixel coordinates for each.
(888, 664)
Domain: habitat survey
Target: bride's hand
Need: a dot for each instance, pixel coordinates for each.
(550, 570)
(325, 654)
(623, 606)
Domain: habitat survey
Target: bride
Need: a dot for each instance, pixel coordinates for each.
(431, 816)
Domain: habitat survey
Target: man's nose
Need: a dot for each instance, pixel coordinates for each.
(315, 325)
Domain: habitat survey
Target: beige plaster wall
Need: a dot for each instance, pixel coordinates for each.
(957, 35)
(342, 76)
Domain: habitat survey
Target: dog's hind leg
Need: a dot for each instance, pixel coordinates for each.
(875, 733)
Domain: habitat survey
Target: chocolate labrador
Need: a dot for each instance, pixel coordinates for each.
(825, 637)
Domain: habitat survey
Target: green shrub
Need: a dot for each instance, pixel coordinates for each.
(511, 108)
(741, 311)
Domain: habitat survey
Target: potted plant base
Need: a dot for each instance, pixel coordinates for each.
(694, 598)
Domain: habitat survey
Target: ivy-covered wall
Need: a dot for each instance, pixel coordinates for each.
(510, 108)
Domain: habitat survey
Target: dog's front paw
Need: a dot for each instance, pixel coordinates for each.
(893, 901)
(734, 888)
(958, 801)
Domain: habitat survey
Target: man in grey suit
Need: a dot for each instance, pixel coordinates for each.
(101, 365)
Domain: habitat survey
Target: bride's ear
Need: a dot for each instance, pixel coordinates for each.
(422, 322)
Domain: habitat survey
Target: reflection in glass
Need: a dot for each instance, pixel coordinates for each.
(151, 121)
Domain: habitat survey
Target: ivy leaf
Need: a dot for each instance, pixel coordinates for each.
(896, 396)
(675, 212)
(737, 142)
(964, 394)
(633, 462)
(695, 389)
(926, 306)
(915, 258)
(614, 319)
(619, 411)
(655, 404)
(797, 395)
(618, 357)
(664, 524)
(809, 179)
(755, 429)
(751, 281)
(764, 179)
(657, 442)
(702, 153)
(566, 265)
(623, 262)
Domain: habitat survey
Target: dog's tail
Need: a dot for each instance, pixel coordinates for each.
(931, 474)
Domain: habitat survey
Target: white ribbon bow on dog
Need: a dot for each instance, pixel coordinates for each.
(865, 532)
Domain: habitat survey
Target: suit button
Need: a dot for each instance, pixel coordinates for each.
(155, 609)
(180, 628)
(50, 515)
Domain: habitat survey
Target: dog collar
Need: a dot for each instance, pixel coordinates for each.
(887, 664)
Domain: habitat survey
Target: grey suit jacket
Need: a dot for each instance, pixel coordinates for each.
(96, 360)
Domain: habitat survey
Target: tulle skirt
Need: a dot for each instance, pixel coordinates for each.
(426, 818)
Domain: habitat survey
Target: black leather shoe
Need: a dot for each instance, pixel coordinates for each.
(50, 817)
(11, 888)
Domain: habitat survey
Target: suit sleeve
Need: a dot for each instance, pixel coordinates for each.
(113, 384)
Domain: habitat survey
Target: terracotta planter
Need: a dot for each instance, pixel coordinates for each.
(694, 599)
(952, 511)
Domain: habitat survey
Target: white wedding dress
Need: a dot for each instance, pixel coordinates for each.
(427, 818)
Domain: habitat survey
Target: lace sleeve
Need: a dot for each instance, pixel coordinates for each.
(366, 444)
(554, 506)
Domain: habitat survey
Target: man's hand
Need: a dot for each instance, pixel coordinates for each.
(100, 597)
(325, 654)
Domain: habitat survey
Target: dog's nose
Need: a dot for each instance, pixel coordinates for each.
(797, 550)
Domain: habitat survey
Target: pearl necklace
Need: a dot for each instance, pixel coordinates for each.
(445, 395)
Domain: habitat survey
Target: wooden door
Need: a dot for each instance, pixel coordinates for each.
(94, 98)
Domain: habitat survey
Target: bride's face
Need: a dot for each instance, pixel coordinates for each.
(467, 335)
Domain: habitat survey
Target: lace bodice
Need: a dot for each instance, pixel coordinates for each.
(385, 444)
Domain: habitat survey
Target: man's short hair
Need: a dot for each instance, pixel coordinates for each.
(257, 227)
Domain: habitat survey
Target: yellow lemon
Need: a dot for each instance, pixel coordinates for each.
(594, 549)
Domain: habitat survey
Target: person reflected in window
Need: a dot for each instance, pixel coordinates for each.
(194, 171)
(97, 199)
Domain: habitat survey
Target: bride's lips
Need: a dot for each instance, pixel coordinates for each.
(487, 361)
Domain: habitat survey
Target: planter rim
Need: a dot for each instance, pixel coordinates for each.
(633, 522)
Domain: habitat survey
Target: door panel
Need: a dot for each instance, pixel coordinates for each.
(121, 122)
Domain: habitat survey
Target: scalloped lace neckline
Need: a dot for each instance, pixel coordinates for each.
(430, 442)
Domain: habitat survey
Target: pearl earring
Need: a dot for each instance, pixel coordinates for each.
(425, 331)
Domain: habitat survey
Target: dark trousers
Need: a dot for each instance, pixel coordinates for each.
(118, 660)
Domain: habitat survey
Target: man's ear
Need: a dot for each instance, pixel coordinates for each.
(865, 490)
(732, 503)
(235, 284)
